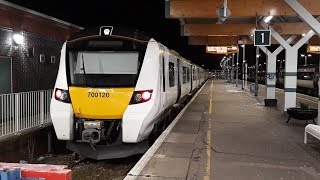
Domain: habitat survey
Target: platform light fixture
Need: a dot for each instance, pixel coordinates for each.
(305, 58)
(302, 55)
(268, 19)
(18, 38)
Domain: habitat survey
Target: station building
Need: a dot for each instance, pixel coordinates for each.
(30, 45)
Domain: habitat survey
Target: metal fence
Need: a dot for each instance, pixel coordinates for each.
(23, 111)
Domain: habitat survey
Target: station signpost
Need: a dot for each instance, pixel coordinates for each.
(261, 38)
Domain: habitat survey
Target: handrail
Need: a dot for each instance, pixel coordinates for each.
(23, 111)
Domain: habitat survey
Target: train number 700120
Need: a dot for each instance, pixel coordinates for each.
(98, 94)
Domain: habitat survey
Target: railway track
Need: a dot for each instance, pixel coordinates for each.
(87, 169)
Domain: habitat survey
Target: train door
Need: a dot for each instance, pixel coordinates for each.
(171, 72)
(163, 67)
(179, 80)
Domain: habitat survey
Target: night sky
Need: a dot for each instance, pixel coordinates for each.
(147, 15)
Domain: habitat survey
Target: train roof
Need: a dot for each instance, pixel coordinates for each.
(119, 30)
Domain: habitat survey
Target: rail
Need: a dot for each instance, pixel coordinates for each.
(23, 111)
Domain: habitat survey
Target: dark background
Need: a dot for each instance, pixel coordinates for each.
(147, 15)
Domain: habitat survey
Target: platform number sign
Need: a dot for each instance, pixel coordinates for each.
(262, 38)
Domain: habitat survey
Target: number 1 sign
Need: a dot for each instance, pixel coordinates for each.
(262, 38)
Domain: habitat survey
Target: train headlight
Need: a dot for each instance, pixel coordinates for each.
(146, 95)
(141, 96)
(62, 95)
(137, 97)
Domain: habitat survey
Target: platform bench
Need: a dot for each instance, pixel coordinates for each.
(312, 129)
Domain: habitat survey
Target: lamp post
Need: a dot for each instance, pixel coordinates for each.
(237, 69)
(305, 58)
(232, 68)
(243, 64)
(257, 67)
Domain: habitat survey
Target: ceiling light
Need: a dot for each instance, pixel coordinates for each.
(18, 38)
(303, 34)
(268, 18)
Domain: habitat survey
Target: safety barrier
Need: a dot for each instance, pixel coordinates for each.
(23, 111)
(16, 171)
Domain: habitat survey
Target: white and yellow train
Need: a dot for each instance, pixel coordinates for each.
(116, 90)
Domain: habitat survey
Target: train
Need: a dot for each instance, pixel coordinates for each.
(307, 79)
(117, 90)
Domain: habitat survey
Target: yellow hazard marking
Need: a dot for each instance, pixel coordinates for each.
(100, 103)
(208, 165)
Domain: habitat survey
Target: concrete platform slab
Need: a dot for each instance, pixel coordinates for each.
(181, 138)
(182, 150)
(167, 167)
(197, 107)
(192, 116)
(188, 127)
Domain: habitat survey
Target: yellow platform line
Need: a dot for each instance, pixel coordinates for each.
(208, 165)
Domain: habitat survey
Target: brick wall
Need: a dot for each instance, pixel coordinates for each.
(28, 73)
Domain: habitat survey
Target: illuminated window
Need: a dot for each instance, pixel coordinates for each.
(53, 59)
(42, 58)
(171, 74)
(188, 75)
(184, 76)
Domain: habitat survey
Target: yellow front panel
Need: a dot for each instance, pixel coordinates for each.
(100, 103)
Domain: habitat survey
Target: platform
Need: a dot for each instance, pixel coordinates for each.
(227, 134)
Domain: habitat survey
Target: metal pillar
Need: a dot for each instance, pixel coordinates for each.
(305, 15)
(237, 69)
(232, 69)
(318, 119)
(243, 64)
(246, 75)
(311, 21)
(290, 81)
(257, 69)
(272, 68)
(50, 142)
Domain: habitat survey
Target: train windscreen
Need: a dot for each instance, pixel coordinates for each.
(104, 62)
(103, 69)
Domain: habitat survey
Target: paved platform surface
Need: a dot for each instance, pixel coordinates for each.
(226, 134)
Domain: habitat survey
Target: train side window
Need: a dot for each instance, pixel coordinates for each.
(184, 76)
(193, 75)
(171, 74)
(164, 75)
(188, 74)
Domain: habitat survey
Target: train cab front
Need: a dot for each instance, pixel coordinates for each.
(102, 72)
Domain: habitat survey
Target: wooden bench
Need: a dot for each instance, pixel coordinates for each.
(312, 129)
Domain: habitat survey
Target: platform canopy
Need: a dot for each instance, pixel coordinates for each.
(199, 19)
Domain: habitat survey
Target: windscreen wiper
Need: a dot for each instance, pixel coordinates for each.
(84, 71)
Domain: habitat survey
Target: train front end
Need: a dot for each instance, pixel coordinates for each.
(95, 85)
